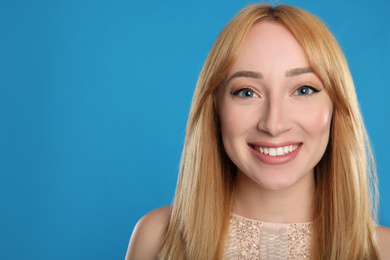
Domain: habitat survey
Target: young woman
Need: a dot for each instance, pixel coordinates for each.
(276, 162)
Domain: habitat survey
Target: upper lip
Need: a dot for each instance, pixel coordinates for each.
(273, 145)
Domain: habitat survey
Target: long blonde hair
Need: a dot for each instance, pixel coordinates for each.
(344, 209)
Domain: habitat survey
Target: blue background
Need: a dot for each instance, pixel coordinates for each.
(94, 97)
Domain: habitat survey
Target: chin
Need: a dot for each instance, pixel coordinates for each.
(276, 185)
(277, 181)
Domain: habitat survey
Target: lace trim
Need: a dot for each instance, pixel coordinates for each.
(252, 239)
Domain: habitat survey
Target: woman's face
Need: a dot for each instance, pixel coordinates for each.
(274, 112)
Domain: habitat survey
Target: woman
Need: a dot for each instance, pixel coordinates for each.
(276, 162)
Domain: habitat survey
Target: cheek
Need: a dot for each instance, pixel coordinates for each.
(317, 120)
(234, 120)
(230, 127)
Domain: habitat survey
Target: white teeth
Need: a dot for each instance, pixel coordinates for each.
(278, 151)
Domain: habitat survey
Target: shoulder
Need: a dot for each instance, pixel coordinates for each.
(148, 235)
(383, 235)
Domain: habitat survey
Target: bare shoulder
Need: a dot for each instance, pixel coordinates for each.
(148, 235)
(383, 235)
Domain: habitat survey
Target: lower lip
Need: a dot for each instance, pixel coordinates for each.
(275, 160)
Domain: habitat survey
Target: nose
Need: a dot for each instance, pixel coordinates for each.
(275, 118)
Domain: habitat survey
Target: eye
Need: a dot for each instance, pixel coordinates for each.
(244, 93)
(306, 90)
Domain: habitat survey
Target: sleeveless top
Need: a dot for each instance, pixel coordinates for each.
(253, 239)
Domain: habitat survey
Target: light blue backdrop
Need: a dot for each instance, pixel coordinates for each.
(94, 97)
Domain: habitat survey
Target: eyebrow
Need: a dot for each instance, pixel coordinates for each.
(258, 75)
(298, 71)
(246, 74)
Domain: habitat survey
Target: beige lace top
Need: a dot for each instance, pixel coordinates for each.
(252, 239)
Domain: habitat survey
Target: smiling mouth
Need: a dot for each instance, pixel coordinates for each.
(276, 151)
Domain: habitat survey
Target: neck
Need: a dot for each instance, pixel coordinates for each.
(293, 204)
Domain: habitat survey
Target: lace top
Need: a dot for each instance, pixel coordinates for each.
(252, 239)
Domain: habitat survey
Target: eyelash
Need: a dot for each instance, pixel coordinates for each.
(241, 90)
(314, 90)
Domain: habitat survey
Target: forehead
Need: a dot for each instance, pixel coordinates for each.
(269, 45)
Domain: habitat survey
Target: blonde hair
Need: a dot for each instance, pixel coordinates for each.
(344, 213)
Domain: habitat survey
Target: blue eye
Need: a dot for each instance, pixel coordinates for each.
(306, 90)
(244, 93)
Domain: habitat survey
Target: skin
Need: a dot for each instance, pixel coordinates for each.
(148, 235)
(147, 238)
(282, 102)
(277, 113)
